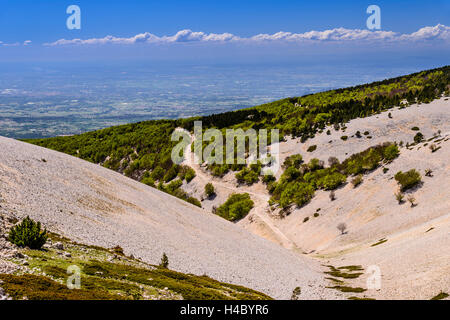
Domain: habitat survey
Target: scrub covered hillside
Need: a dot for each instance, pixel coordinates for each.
(142, 150)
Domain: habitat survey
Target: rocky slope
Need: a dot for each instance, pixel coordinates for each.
(96, 206)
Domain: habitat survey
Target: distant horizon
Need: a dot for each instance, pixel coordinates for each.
(40, 103)
(69, 67)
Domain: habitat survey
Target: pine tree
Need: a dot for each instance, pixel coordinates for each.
(28, 234)
(164, 261)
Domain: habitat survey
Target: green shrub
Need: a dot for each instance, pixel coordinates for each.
(391, 152)
(291, 173)
(408, 179)
(157, 173)
(344, 138)
(28, 234)
(356, 181)
(172, 186)
(331, 181)
(190, 174)
(148, 181)
(312, 148)
(268, 178)
(171, 174)
(418, 137)
(415, 129)
(194, 201)
(399, 196)
(315, 164)
(368, 159)
(236, 207)
(247, 176)
(299, 193)
(293, 161)
(209, 190)
(164, 261)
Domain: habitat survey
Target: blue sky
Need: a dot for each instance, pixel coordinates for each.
(44, 21)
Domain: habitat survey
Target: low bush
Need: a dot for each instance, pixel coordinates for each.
(418, 138)
(332, 196)
(356, 181)
(391, 152)
(399, 196)
(412, 201)
(247, 176)
(408, 179)
(236, 207)
(190, 174)
(28, 234)
(171, 174)
(194, 201)
(293, 161)
(299, 192)
(268, 178)
(209, 190)
(311, 148)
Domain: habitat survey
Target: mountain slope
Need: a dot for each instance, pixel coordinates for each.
(94, 205)
(414, 240)
(143, 150)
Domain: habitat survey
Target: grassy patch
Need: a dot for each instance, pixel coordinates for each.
(351, 268)
(379, 242)
(34, 287)
(440, 296)
(338, 273)
(334, 280)
(106, 275)
(348, 289)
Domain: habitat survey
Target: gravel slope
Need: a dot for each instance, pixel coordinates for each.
(94, 205)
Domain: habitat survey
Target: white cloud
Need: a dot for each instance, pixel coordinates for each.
(16, 44)
(438, 32)
(338, 34)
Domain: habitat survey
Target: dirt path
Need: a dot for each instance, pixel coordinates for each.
(261, 200)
